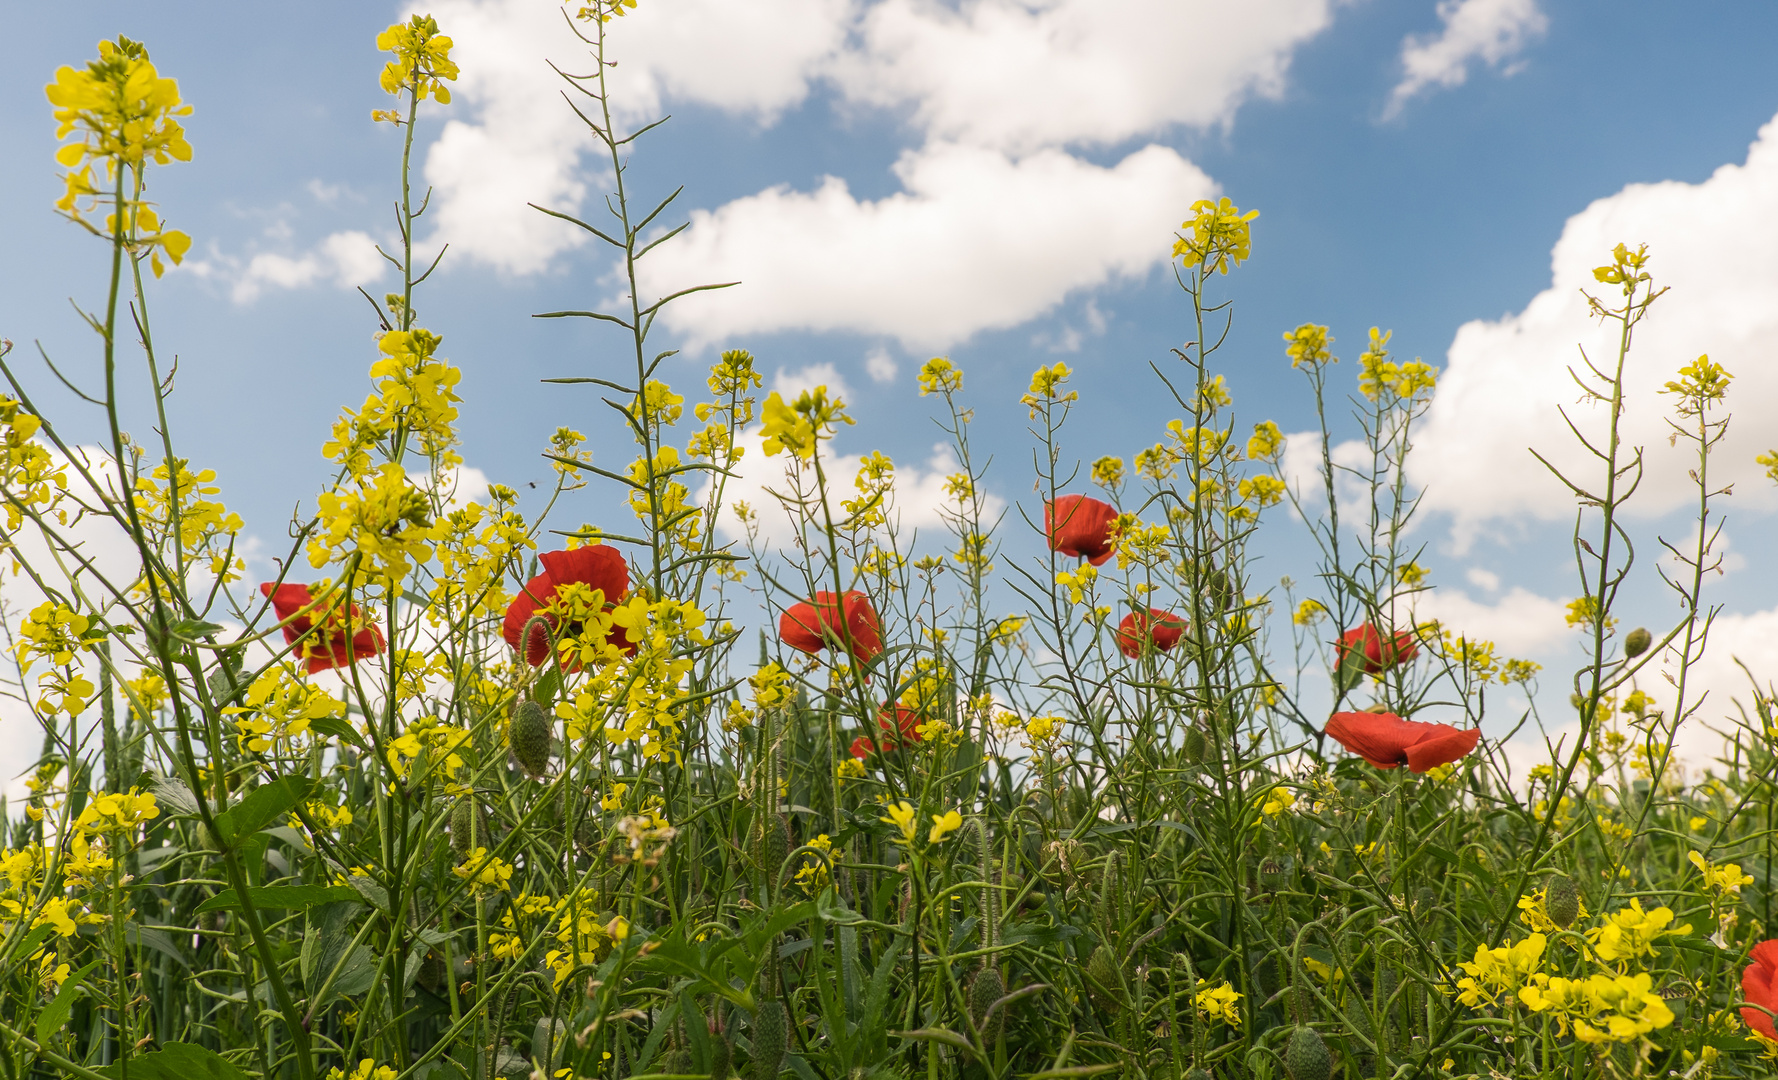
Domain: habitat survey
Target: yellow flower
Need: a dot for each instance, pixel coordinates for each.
(1267, 442)
(368, 1069)
(1701, 383)
(422, 58)
(484, 871)
(1108, 472)
(939, 376)
(1534, 913)
(1217, 1002)
(943, 825)
(901, 815)
(117, 812)
(1308, 344)
(797, 426)
(1220, 236)
(1722, 879)
(1497, 974)
(1046, 388)
(1629, 933)
(1279, 800)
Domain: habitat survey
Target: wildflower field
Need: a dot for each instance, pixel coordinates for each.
(467, 793)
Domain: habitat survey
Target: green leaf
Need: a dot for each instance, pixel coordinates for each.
(263, 805)
(373, 894)
(280, 897)
(1072, 1070)
(172, 793)
(339, 728)
(178, 1061)
(56, 1013)
(158, 940)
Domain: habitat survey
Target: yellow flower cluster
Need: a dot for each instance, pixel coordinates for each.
(474, 546)
(1720, 878)
(1308, 344)
(485, 872)
(1630, 933)
(1078, 582)
(1267, 442)
(1217, 1002)
(383, 520)
(176, 506)
(278, 709)
(939, 376)
(799, 425)
(1108, 472)
(1046, 388)
(1220, 236)
(30, 479)
(1701, 383)
(1599, 1008)
(1377, 374)
(431, 742)
(368, 1069)
(1496, 975)
(1278, 800)
(1534, 911)
(422, 59)
(812, 876)
(582, 937)
(125, 114)
(413, 396)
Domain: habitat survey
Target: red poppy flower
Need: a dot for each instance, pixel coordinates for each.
(1759, 986)
(1163, 629)
(597, 567)
(335, 644)
(1080, 526)
(1367, 641)
(809, 627)
(863, 748)
(1386, 740)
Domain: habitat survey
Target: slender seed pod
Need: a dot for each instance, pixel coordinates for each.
(771, 1038)
(531, 732)
(1306, 1056)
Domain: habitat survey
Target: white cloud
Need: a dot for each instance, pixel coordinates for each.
(996, 88)
(918, 496)
(1520, 623)
(347, 259)
(976, 240)
(1019, 75)
(880, 366)
(1486, 580)
(790, 383)
(1504, 380)
(1495, 31)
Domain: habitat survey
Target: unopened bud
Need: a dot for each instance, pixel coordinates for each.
(1306, 1056)
(1637, 642)
(531, 733)
(1562, 902)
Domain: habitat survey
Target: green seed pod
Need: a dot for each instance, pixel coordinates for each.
(1562, 901)
(987, 988)
(1105, 984)
(1637, 642)
(1306, 1056)
(771, 1038)
(531, 733)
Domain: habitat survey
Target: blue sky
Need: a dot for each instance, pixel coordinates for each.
(1452, 206)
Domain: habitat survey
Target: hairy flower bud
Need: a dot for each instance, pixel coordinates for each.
(531, 732)
(1306, 1056)
(1562, 902)
(987, 988)
(1637, 642)
(771, 1038)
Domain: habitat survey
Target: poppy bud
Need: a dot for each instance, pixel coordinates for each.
(773, 847)
(1306, 1056)
(1195, 745)
(1273, 875)
(771, 1038)
(1198, 1073)
(469, 827)
(721, 1055)
(987, 988)
(530, 733)
(1104, 984)
(1637, 642)
(1562, 902)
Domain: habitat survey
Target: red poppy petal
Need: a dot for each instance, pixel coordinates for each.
(800, 629)
(597, 567)
(1442, 747)
(1757, 987)
(1379, 738)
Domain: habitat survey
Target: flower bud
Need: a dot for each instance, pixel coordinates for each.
(1306, 1056)
(987, 988)
(1105, 985)
(771, 1038)
(1637, 642)
(531, 732)
(1196, 747)
(1562, 901)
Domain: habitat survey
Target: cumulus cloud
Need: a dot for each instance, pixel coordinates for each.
(1494, 31)
(347, 259)
(1020, 75)
(1520, 623)
(996, 89)
(880, 366)
(918, 498)
(976, 240)
(1504, 380)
